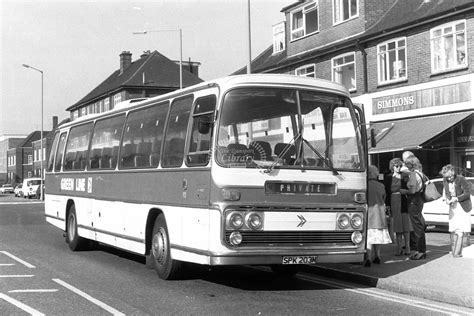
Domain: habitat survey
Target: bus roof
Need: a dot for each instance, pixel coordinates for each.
(224, 83)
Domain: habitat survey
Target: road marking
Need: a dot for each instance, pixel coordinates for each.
(16, 203)
(431, 306)
(34, 291)
(17, 276)
(6, 264)
(111, 310)
(18, 259)
(20, 305)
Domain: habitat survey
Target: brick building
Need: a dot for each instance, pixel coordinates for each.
(409, 62)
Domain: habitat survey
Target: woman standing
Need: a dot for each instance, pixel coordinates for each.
(457, 194)
(377, 232)
(398, 209)
(415, 206)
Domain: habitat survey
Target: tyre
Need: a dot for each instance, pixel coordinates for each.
(73, 239)
(160, 255)
(285, 270)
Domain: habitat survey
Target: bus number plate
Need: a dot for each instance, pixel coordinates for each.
(300, 259)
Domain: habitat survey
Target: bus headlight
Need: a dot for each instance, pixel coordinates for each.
(254, 221)
(235, 220)
(356, 221)
(356, 237)
(235, 238)
(343, 221)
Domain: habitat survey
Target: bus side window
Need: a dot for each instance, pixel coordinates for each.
(59, 152)
(175, 136)
(106, 137)
(77, 146)
(143, 136)
(201, 132)
(52, 154)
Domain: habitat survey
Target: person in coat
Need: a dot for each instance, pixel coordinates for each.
(457, 194)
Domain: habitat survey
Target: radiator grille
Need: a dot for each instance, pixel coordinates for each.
(284, 238)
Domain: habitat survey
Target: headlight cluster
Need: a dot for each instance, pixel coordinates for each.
(243, 220)
(349, 221)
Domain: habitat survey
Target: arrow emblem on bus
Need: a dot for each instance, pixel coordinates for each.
(302, 220)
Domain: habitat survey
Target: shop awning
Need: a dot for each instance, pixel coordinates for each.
(411, 134)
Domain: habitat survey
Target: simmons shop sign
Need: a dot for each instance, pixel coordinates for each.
(394, 103)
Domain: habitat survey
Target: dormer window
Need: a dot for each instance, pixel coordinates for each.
(345, 10)
(279, 37)
(304, 21)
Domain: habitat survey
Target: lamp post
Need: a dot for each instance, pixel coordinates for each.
(41, 150)
(180, 49)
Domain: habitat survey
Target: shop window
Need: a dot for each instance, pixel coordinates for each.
(304, 21)
(345, 10)
(448, 47)
(392, 61)
(343, 70)
(306, 71)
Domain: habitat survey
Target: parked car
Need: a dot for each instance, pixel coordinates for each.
(437, 212)
(6, 188)
(30, 186)
(18, 192)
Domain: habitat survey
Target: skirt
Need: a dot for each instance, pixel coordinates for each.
(459, 220)
(401, 221)
(376, 236)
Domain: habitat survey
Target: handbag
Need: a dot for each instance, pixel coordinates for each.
(430, 193)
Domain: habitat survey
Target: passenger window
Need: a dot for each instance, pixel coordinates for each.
(54, 146)
(77, 147)
(173, 153)
(201, 133)
(141, 146)
(59, 152)
(105, 143)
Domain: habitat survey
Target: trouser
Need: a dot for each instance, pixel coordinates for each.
(415, 206)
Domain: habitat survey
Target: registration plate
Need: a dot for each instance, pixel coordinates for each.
(299, 259)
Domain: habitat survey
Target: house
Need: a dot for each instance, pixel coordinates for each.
(151, 75)
(409, 62)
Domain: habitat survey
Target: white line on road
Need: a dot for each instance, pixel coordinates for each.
(33, 291)
(111, 310)
(16, 203)
(386, 296)
(16, 276)
(20, 305)
(18, 259)
(6, 264)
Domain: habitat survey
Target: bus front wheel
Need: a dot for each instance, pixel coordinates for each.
(73, 239)
(160, 255)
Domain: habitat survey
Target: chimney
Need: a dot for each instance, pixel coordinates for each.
(55, 122)
(125, 60)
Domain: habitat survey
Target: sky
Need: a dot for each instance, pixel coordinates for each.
(77, 43)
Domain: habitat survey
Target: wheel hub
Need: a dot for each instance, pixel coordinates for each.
(158, 246)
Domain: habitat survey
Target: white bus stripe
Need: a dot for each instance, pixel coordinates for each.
(18, 259)
(111, 310)
(20, 305)
(33, 291)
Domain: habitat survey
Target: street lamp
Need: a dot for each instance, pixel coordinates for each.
(42, 157)
(144, 32)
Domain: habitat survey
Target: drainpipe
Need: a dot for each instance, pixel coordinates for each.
(361, 47)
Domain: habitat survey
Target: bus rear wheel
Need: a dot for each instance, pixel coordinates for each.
(73, 239)
(160, 254)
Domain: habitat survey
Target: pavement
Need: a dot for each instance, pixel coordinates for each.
(439, 277)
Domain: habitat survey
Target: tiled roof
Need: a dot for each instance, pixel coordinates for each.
(32, 137)
(409, 12)
(401, 14)
(152, 70)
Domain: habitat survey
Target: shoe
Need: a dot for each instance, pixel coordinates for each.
(367, 263)
(377, 260)
(418, 256)
(399, 252)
